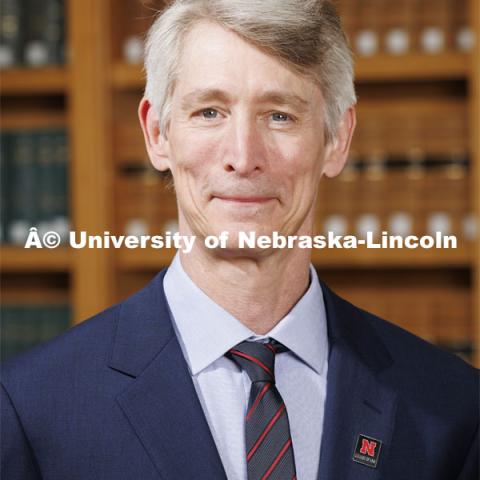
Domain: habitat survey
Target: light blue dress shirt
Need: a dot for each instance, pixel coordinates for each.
(206, 332)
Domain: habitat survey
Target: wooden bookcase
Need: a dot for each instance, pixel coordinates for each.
(99, 92)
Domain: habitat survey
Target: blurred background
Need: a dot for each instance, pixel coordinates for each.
(72, 157)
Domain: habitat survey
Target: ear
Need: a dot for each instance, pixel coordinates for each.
(157, 146)
(337, 151)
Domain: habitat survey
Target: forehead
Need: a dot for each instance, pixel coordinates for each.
(216, 58)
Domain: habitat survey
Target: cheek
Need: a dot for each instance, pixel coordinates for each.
(299, 161)
(190, 154)
(191, 165)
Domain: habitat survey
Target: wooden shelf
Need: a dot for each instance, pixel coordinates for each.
(150, 260)
(447, 66)
(18, 259)
(32, 81)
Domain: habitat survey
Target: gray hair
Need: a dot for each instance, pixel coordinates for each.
(305, 35)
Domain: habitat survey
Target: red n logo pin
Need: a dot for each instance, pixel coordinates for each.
(368, 447)
(367, 451)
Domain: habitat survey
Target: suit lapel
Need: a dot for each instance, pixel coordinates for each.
(357, 402)
(163, 409)
(161, 404)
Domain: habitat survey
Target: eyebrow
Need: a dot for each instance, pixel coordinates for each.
(276, 97)
(202, 95)
(284, 98)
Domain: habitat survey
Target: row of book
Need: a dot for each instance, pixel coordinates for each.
(373, 26)
(23, 327)
(32, 33)
(399, 195)
(430, 125)
(34, 183)
(405, 26)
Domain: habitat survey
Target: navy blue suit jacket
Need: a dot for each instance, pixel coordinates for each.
(112, 398)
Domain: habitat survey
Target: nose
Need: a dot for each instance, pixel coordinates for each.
(245, 153)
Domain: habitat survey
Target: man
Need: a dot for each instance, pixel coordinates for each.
(237, 362)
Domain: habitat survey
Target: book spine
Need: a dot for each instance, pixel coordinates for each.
(46, 182)
(4, 159)
(44, 33)
(23, 194)
(10, 33)
(5, 332)
(54, 32)
(51, 321)
(23, 327)
(60, 211)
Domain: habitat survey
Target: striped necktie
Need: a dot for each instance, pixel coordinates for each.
(269, 448)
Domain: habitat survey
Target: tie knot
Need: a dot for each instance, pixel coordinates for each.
(257, 359)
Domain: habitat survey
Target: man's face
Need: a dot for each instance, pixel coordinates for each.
(245, 142)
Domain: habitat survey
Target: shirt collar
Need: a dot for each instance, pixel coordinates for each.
(206, 331)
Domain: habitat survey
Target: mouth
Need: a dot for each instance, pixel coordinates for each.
(244, 200)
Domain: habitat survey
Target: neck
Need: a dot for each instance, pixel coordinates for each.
(258, 290)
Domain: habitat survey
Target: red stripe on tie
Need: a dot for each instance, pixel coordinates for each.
(294, 477)
(264, 433)
(270, 347)
(279, 457)
(257, 400)
(252, 359)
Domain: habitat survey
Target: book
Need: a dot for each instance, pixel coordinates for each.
(10, 33)
(34, 181)
(23, 327)
(23, 194)
(4, 158)
(44, 33)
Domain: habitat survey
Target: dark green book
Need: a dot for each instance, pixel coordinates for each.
(22, 328)
(54, 320)
(6, 337)
(23, 194)
(4, 176)
(46, 181)
(60, 166)
(44, 33)
(10, 33)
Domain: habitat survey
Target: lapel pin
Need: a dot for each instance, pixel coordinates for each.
(367, 451)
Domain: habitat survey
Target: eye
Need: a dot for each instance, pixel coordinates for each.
(209, 113)
(280, 117)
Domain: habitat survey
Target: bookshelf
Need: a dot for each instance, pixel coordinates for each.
(95, 97)
(36, 287)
